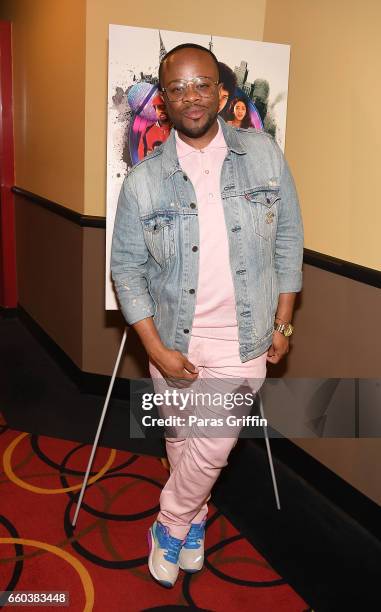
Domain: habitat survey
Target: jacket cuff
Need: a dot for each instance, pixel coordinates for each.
(290, 282)
(135, 309)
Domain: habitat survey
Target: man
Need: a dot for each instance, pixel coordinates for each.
(156, 133)
(206, 258)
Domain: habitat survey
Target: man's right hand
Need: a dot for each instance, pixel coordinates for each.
(174, 365)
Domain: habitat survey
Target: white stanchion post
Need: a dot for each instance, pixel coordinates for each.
(95, 444)
(269, 454)
(100, 425)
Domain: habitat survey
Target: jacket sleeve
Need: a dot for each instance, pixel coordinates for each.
(129, 255)
(288, 258)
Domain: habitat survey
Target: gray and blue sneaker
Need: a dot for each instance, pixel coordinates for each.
(163, 558)
(191, 558)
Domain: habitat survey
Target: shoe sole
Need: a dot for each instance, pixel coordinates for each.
(164, 583)
(190, 571)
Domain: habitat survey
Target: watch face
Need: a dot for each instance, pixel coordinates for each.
(288, 330)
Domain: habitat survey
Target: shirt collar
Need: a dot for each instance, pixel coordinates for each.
(184, 149)
(169, 152)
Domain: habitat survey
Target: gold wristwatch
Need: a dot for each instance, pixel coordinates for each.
(284, 328)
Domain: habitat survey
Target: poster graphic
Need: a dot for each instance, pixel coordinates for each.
(254, 94)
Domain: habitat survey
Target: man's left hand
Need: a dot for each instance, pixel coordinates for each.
(279, 348)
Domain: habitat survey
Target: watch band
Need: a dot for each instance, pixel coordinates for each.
(284, 328)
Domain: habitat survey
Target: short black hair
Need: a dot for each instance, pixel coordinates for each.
(227, 78)
(187, 46)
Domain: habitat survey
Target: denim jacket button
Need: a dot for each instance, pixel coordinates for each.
(192, 205)
(185, 177)
(186, 331)
(194, 248)
(192, 291)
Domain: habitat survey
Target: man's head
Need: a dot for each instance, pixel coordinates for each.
(160, 110)
(196, 111)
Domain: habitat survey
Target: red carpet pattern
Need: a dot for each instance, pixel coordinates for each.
(102, 563)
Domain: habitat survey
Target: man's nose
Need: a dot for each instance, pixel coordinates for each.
(191, 93)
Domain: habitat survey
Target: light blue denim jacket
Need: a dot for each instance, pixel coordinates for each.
(155, 256)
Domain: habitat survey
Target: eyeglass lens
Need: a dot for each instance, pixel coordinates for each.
(202, 85)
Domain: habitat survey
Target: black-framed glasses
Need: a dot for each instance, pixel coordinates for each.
(204, 86)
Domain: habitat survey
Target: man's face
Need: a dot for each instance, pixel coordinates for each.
(193, 115)
(161, 113)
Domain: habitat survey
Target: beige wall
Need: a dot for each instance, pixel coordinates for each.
(172, 15)
(333, 139)
(49, 96)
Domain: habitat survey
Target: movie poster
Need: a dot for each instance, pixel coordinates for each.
(255, 84)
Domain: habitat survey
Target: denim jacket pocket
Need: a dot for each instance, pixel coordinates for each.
(263, 206)
(159, 236)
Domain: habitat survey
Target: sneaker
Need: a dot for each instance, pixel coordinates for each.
(191, 557)
(163, 558)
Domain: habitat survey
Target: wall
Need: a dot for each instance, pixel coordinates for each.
(332, 337)
(333, 144)
(333, 139)
(49, 270)
(172, 15)
(48, 40)
(102, 330)
(354, 460)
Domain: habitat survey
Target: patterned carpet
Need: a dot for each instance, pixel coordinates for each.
(102, 563)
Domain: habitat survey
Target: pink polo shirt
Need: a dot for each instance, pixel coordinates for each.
(215, 314)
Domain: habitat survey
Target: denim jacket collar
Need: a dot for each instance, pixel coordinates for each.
(171, 161)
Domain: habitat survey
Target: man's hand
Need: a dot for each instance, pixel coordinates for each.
(174, 365)
(279, 348)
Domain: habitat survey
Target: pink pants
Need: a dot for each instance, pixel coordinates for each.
(196, 462)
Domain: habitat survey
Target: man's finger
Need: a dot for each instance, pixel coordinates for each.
(188, 375)
(271, 359)
(190, 367)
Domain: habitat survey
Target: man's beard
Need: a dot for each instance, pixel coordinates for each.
(197, 131)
